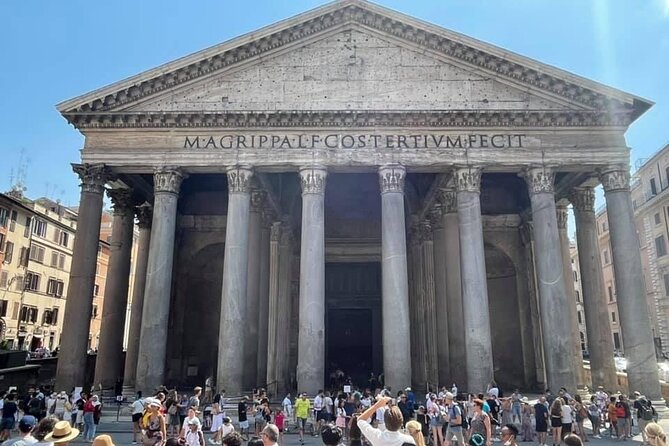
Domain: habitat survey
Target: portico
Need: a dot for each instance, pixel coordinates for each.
(298, 181)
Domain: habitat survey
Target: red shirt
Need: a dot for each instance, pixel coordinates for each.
(278, 420)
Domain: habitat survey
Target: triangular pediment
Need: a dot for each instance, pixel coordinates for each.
(352, 55)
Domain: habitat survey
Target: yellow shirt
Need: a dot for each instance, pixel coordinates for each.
(302, 408)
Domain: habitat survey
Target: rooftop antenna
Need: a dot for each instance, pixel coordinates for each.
(18, 175)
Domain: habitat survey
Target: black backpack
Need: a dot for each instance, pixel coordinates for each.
(645, 409)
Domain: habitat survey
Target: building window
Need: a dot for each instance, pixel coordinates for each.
(666, 284)
(61, 237)
(12, 221)
(96, 290)
(54, 287)
(578, 296)
(4, 216)
(616, 340)
(37, 253)
(23, 257)
(4, 277)
(607, 259)
(660, 246)
(50, 317)
(2, 242)
(613, 317)
(3, 307)
(657, 218)
(26, 231)
(28, 314)
(32, 281)
(575, 276)
(39, 228)
(95, 312)
(57, 260)
(653, 187)
(580, 318)
(610, 291)
(9, 252)
(19, 284)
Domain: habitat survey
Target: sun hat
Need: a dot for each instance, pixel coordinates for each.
(193, 421)
(103, 440)
(152, 402)
(62, 433)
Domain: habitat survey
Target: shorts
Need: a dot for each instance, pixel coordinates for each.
(7, 423)
(622, 423)
(136, 417)
(566, 428)
(556, 422)
(244, 424)
(302, 422)
(321, 415)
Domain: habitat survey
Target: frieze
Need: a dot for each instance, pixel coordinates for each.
(615, 179)
(540, 180)
(167, 180)
(239, 179)
(391, 178)
(468, 179)
(583, 199)
(433, 41)
(93, 177)
(313, 179)
(354, 119)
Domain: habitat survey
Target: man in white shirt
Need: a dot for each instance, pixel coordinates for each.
(319, 414)
(393, 421)
(329, 408)
(137, 407)
(287, 404)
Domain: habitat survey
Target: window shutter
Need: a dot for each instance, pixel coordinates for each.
(54, 259)
(54, 316)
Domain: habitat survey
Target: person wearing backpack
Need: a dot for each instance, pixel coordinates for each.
(645, 413)
(622, 411)
(455, 419)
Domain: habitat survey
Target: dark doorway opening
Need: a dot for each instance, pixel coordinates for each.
(350, 344)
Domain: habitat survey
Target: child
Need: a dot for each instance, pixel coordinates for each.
(280, 421)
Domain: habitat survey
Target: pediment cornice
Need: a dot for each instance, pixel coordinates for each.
(352, 119)
(467, 51)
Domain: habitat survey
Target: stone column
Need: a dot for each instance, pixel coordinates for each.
(273, 309)
(577, 354)
(415, 278)
(157, 292)
(396, 344)
(144, 214)
(74, 339)
(455, 316)
(554, 304)
(311, 336)
(478, 353)
(441, 293)
(284, 313)
(253, 291)
(110, 348)
(632, 307)
(233, 324)
(263, 298)
(429, 315)
(600, 342)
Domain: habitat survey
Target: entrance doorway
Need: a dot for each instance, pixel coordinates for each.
(353, 322)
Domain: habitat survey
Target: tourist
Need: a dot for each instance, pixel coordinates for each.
(89, 424)
(216, 423)
(280, 423)
(493, 389)
(406, 407)
(242, 417)
(328, 407)
(269, 436)
(103, 440)
(624, 418)
(59, 405)
(393, 422)
(44, 428)
(78, 414)
(194, 401)
(595, 416)
(194, 436)
(516, 406)
(573, 440)
(612, 416)
(415, 429)
(153, 424)
(254, 441)
(655, 435)
(62, 434)
(526, 420)
(354, 433)
(506, 413)
(340, 421)
(645, 413)
(319, 415)
(424, 420)
(287, 405)
(436, 412)
(97, 411)
(190, 415)
(454, 420)
(556, 421)
(380, 416)
(541, 420)
(137, 408)
(480, 428)
(302, 407)
(26, 426)
(172, 408)
(567, 418)
(509, 433)
(331, 435)
(580, 414)
(9, 410)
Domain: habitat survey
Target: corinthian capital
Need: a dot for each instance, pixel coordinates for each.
(468, 179)
(562, 214)
(615, 178)
(121, 200)
(312, 180)
(239, 179)
(391, 178)
(144, 213)
(447, 200)
(540, 180)
(93, 176)
(167, 180)
(583, 199)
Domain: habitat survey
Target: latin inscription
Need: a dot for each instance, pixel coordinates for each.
(353, 141)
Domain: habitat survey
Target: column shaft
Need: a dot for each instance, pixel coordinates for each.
(416, 306)
(429, 314)
(253, 292)
(108, 365)
(441, 295)
(600, 342)
(284, 310)
(478, 353)
(311, 336)
(144, 214)
(157, 295)
(71, 369)
(273, 309)
(632, 305)
(263, 300)
(554, 306)
(396, 344)
(233, 298)
(577, 354)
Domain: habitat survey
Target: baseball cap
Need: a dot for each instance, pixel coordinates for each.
(27, 423)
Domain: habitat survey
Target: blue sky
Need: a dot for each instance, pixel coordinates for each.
(55, 50)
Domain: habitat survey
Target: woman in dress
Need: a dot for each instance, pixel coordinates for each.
(155, 431)
(556, 421)
(216, 423)
(340, 421)
(480, 428)
(526, 413)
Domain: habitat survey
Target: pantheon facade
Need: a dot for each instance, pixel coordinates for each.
(354, 189)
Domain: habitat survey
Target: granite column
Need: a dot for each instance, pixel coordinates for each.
(74, 339)
(273, 309)
(428, 314)
(478, 353)
(144, 214)
(231, 343)
(263, 298)
(311, 336)
(441, 294)
(554, 304)
(600, 342)
(415, 278)
(283, 328)
(157, 293)
(632, 306)
(109, 359)
(395, 300)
